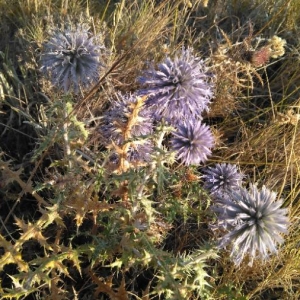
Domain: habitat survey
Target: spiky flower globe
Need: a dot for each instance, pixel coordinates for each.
(192, 142)
(222, 178)
(128, 124)
(71, 58)
(179, 89)
(254, 221)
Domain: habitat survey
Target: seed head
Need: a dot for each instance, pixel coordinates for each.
(261, 56)
(192, 142)
(222, 178)
(277, 45)
(254, 221)
(71, 58)
(179, 89)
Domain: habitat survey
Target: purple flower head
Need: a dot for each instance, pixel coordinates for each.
(71, 57)
(179, 89)
(222, 178)
(128, 122)
(192, 142)
(254, 221)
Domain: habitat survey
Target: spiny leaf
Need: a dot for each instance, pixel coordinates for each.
(46, 264)
(148, 206)
(50, 215)
(116, 264)
(14, 258)
(19, 289)
(32, 231)
(15, 176)
(105, 286)
(12, 255)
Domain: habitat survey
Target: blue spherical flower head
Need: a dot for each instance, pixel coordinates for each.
(127, 124)
(71, 58)
(192, 142)
(254, 221)
(179, 89)
(222, 178)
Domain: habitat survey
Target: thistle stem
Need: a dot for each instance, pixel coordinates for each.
(67, 148)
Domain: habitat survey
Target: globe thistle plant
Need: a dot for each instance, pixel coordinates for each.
(254, 221)
(126, 126)
(179, 89)
(71, 58)
(192, 142)
(222, 178)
